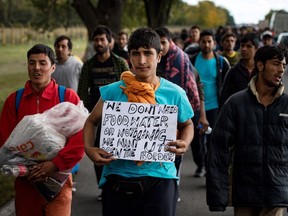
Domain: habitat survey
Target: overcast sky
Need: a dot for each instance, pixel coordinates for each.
(248, 11)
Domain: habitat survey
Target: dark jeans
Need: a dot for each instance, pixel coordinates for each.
(200, 142)
(198, 146)
(144, 196)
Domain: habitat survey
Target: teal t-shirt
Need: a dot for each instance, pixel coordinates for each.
(208, 74)
(167, 93)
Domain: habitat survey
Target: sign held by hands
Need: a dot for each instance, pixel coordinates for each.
(138, 131)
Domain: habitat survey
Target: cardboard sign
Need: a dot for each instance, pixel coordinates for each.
(138, 131)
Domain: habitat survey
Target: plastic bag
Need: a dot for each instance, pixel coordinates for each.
(40, 137)
(69, 119)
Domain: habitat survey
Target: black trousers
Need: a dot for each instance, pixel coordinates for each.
(144, 196)
(198, 146)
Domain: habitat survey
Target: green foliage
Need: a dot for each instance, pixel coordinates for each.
(15, 12)
(134, 14)
(57, 14)
(205, 14)
(42, 15)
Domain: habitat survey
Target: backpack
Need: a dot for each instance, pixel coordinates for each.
(19, 93)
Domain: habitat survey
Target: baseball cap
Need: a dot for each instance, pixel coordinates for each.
(267, 34)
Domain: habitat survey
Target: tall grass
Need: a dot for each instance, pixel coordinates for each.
(13, 75)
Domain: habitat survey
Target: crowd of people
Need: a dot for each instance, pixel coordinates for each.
(229, 80)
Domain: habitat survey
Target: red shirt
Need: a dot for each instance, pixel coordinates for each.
(33, 103)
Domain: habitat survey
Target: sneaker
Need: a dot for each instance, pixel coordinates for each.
(74, 187)
(99, 198)
(179, 199)
(200, 172)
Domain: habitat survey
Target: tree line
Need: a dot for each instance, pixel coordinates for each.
(117, 14)
(46, 16)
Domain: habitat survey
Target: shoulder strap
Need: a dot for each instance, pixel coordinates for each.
(221, 61)
(19, 94)
(61, 93)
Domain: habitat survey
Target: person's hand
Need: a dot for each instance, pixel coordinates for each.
(203, 125)
(41, 171)
(178, 147)
(99, 156)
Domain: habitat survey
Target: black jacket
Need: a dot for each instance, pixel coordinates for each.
(236, 79)
(247, 161)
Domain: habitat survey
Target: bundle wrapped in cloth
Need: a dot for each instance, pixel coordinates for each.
(40, 137)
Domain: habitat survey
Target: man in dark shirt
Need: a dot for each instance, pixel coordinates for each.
(102, 69)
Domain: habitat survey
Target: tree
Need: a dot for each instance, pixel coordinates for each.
(134, 14)
(106, 13)
(157, 12)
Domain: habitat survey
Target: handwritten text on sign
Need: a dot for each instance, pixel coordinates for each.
(138, 131)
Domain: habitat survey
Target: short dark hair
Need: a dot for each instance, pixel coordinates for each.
(227, 35)
(267, 52)
(207, 33)
(102, 29)
(195, 27)
(163, 32)
(42, 48)
(144, 37)
(122, 33)
(253, 37)
(64, 37)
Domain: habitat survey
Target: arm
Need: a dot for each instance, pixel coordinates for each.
(186, 134)
(96, 155)
(202, 119)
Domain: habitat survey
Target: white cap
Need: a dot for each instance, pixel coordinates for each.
(268, 33)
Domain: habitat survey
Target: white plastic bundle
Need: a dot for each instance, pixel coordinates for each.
(41, 136)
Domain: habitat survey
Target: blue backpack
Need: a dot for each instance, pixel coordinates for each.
(61, 94)
(19, 93)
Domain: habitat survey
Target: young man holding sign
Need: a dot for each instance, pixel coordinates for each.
(139, 187)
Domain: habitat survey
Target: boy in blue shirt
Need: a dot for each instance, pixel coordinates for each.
(151, 186)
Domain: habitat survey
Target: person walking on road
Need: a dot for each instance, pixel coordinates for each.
(68, 67)
(40, 94)
(212, 69)
(67, 73)
(238, 77)
(146, 188)
(247, 156)
(176, 67)
(103, 68)
(228, 42)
